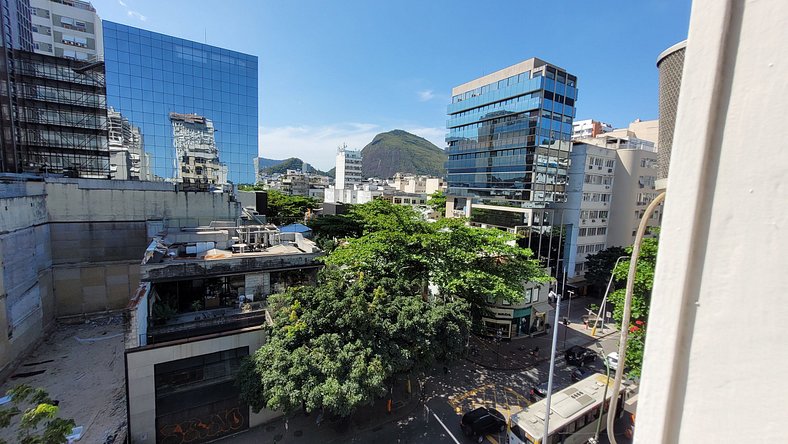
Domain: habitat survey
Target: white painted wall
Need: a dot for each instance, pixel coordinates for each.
(715, 368)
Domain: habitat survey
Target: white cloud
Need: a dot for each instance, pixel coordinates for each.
(426, 95)
(136, 15)
(317, 145)
(132, 13)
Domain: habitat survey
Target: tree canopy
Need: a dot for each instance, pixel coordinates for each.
(599, 266)
(390, 302)
(437, 202)
(641, 299)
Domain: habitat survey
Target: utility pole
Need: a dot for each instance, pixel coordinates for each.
(552, 366)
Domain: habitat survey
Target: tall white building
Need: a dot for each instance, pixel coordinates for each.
(348, 168)
(66, 28)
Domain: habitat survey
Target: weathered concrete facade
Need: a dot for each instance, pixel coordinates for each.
(70, 247)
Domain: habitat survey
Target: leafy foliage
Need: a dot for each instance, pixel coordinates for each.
(437, 202)
(38, 423)
(600, 266)
(337, 346)
(641, 299)
(284, 209)
(372, 317)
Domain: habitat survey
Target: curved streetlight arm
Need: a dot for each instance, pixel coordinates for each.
(604, 299)
(622, 342)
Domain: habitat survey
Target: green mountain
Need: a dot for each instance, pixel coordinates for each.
(402, 152)
(293, 163)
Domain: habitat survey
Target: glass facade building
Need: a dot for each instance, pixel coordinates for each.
(508, 152)
(152, 76)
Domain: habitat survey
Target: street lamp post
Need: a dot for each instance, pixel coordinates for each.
(595, 439)
(604, 299)
(552, 366)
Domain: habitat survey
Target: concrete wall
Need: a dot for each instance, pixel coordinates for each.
(714, 368)
(26, 295)
(141, 387)
(73, 246)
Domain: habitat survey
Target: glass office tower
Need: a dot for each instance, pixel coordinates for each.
(508, 147)
(152, 76)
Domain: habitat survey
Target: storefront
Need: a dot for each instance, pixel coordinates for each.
(513, 323)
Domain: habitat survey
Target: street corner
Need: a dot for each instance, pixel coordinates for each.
(501, 398)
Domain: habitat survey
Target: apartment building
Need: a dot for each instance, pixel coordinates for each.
(589, 204)
(66, 28)
(348, 168)
(199, 310)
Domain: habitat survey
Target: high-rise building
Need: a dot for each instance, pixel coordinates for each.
(15, 25)
(59, 117)
(151, 75)
(197, 157)
(348, 168)
(66, 28)
(508, 146)
(15, 34)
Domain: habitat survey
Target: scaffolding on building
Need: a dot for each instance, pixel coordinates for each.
(60, 107)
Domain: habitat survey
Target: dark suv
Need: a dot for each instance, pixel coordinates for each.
(580, 356)
(481, 422)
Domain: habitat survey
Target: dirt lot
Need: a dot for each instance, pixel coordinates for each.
(81, 366)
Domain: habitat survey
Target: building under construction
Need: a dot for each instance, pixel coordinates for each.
(58, 118)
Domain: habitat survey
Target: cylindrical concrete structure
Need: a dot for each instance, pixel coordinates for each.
(670, 64)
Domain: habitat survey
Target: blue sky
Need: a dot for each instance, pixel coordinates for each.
(345, 70)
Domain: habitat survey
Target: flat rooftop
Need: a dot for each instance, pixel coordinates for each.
(81, 366)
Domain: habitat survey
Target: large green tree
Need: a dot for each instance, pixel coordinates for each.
(285, 209)
(437, 202)
(374, 315)
(599, 267)
(641, 299)
(339, 346)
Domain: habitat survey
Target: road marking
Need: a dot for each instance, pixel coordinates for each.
(445, 428)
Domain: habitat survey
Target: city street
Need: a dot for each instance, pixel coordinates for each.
(501, 377)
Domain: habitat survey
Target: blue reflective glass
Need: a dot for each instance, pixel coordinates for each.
(150, 75)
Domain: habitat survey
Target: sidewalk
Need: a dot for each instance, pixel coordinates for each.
(301, 428)
(515, 354)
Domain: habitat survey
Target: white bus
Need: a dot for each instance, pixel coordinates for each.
(573, 418)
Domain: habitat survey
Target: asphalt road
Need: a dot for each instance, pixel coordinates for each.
(465, 387)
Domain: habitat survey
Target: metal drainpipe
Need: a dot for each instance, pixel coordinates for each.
(622, 342)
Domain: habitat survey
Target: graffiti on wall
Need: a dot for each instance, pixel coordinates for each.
(197, 430)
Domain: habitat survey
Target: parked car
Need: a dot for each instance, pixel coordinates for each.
(612, 360)
(579, 356)
(481, 422)
(581, 373)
